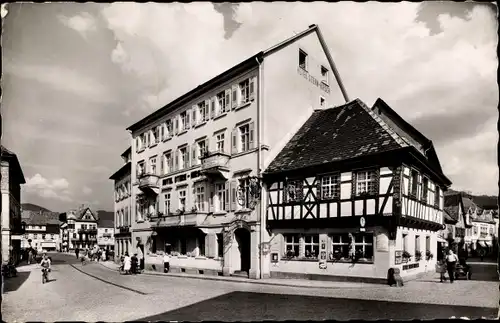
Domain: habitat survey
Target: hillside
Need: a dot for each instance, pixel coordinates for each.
(33, 207)
(483, 201)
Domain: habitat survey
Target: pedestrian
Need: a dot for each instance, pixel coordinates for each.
(127, 263)
(99, 254)
(451, 261)
(77, 252)
(441, 269)
(134, 263)
(166, 263)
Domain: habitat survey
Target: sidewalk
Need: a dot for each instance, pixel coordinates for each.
(269, 281)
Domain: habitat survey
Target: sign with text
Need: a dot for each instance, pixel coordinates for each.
(274, 257)
(322, 253)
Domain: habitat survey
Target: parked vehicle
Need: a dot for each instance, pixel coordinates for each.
(45, 275)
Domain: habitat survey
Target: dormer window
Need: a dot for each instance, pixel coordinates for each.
(302, 59)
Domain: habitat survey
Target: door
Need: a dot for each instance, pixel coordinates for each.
(242, 236)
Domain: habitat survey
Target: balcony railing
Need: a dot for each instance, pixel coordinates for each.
(149, 183)
(87, 231)
(214, 162)
(182, 219)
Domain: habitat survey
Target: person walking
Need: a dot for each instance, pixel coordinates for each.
(451, 261)
(441, 269)
(166, 262)
(77, 252)
(134, 264)
(127, 263)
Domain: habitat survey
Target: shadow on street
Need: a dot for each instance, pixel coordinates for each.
(245, 306)
(12, 284)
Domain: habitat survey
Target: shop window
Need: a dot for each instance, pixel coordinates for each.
(311, 244)
(291, 245)
(340, 246)
(363, 245)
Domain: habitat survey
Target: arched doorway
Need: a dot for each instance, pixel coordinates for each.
(242, 237)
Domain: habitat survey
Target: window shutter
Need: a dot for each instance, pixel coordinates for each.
(188, 120)
(251, 141)
(206, 111)
(176, 125)
(193, 153)
(226, 202)
(251, 90)
(212, 107)
(176, 160)
(234, 188)
(193, 115)
(234, 89)
(188, 161)
(234, 141)
(162, 161)
(228, 100)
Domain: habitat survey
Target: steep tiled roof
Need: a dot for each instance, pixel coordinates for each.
(452, 205)
(448, 217)
(340, 133)
(42, 218)
(106, 219)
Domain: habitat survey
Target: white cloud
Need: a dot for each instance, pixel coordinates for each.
(50, 189)
(87, 190)
(379, 48)
(82, 23)
(62, 79)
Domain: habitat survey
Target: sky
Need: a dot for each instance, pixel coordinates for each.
(76, 75)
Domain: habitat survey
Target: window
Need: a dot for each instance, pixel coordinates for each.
(220, 193)
(291, 245)
(156, 133)
(302, 59)
(425, 189)
(219, 140)
(200, 197)
(221, 100)
(417, 244)
(405, 242)
(43, 236)
(245, 137)
(321, 101)
(52, 236)
(182, 199)
(168, 130)
(35, 236)
(484, 231)
(140, 168)
(475, 230)
(243, 192)
(340, 246)
(152, 165)
(311, 244)
(245, 91)
(366, 182)
(183, 125)
(294, 191)
(363, 244)
(413, 183)
(436, 197)
(324, 75)
(202, 149)
(167, 162)
(184, 160)
(144, 140)
(220, 245)
(330, 187)
(166, 210)
(202, 114)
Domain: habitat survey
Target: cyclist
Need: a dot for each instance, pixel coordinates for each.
(45, 264)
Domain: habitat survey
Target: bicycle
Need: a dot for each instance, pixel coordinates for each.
(45, 275)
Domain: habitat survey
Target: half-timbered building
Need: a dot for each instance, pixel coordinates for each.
(356, 191)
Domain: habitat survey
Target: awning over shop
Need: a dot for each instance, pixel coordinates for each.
(488, 243)
(439, 239)
(482, 244)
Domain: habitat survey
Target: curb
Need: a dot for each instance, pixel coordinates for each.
(255, 282)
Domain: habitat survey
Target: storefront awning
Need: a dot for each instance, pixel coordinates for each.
(488, 243)
(482, 244)
(439, 239)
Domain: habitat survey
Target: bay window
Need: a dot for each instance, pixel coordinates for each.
(182, 199)
(166, 203)
(200, 197)
(219, 140)
(152, 165)
(220, 193)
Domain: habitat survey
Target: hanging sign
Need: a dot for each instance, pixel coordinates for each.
(362, 223)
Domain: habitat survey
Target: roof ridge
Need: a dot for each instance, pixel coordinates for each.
(401, 141)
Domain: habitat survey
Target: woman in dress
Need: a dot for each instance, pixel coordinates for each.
(127, 263)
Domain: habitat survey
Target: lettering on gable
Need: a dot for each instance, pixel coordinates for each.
(305, 74)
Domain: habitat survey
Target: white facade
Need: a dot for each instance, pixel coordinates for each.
(40, 238)
(82, 229)
(105, 238)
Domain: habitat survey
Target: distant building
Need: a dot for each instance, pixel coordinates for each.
(481, 236)
(123, 206)
(42, 231)
(457, 222)
(105, 231)
(11, 179)
(82, 228)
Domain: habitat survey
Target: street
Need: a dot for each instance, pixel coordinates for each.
(96, 293)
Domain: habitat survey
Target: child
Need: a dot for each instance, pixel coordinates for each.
(441, 269)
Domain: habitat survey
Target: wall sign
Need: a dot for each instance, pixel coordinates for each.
(322, 253)
(362, 223)
(398, 259)
(313, 80)
(274, 258)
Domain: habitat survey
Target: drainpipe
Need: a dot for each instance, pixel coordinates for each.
(259, 160)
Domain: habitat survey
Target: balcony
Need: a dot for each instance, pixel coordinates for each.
(148, 183)
(87, 231)
(123, 229)
(215, 163)
(180, 220)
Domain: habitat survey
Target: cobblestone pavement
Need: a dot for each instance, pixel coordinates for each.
(96, 293)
